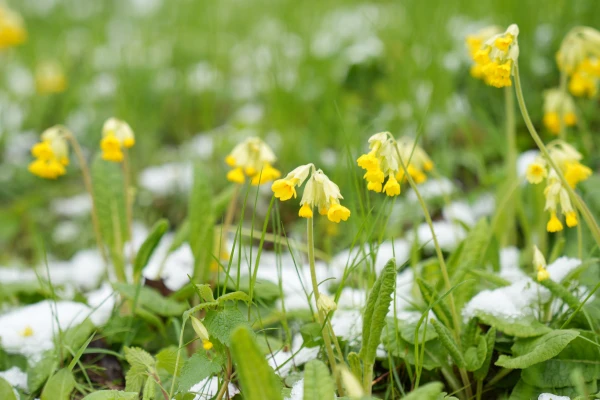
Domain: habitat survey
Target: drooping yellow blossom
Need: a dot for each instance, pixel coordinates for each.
(579, 57)
(51, 153)
(539, 263)
(558, 105)
(50, 78)
(495, 59)
(202, 333)
(12, 28)
(252, 158)
(319, 192)
(567, 159)
(116, 135)
(475, 42)
(383, 162)
(584, 81)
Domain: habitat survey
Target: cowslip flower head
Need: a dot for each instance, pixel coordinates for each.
(116, 135)
(252, 158)
(50, 78)
(326, 304)
(559, 107)
(383, 162)
(51, 153)
(202, 333)
(12, 28)
(584, 81)
(539, 263)
(319, 192)
(579, 45)
(497, 56)
(475, 41)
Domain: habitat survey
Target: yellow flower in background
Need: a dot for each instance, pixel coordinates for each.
(539, 263)
(584, 81)
(27, 331)
(116, 135)
(51, 153)
(383, 162)
(252, 158)
(50, 78)
(558, 106)
(579, 58)
(319, 192)
(494, 61)
(12, 28)
(475, 41)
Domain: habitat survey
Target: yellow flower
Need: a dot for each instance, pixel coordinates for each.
(392, 187)
(202, 333)
(375, 186)
(12, 28)
(51, 154)
(50, 78)
(570, 119)
(116, 135)
(496, 56)
(539, 261)
(554, 224)
(576, 172)
(536, 172)
(375, 175)
(236, 175)
(326, 304)
(368, 162)
(27, 331)
(254, 158)
(319, 192)
(552, 122)
(207, 344)
(578, 45)
(571, 218)
(558, 105)
(474, 43)
(543, 275)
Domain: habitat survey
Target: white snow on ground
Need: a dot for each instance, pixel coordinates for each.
(16, 378)
(284, 361)
(484, 205)
(297, 391)
(74, 206)
(548, 396)
(509, 264)
(518, 299)
(449, 235)
(433, 188)
(103, 302)
(209, 387)
(460, 211)
(166, 179)
(30, 330)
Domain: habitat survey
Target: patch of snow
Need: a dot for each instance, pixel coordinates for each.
(484, 205)
(16, 378)
(348, 324)
(166, 179)
(449, 235)
(297, 391)
(74, 206)
(103, 302)
(549, 396)
(509, 264)
(433, 188)
(209, 387)
(284, 361)
(460, 211)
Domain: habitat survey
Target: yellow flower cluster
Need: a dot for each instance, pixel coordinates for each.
(51, 154)
(579, 58)
(319, 192)
(116, 135)
(558, 106)
(383, 162)
(50, 78)
(475, 42)
(12, 28)
(495, 59)
(202, 333)
(567, 159)
(252, 158)
(539, 263)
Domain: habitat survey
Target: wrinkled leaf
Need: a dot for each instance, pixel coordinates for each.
(528, 352)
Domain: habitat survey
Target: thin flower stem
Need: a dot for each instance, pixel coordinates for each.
(128, 202)
(315, 284)
(579, 203)
(227, 379)
(87, 181)
(511, 162)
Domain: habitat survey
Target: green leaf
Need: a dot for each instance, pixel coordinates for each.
(449, 343)
(475, 356)
(441, 310)
(524, 327)
(318, 384)
(166, 359)
(354, 364)
(377, 308)
(579, 354)
(149, 389)
(39, 373)
(220, 323)
(59, 386)
(199, 367)
(6, 390)
(205, 292)
(434, 355)
(109, 197)
(408, 331)
(112, 395)
(234, 296)
(137, 357)
(561, 292)
(532, 351)
(473, 251)
(312, 334)
(148, 247)
(258, 380)
(135, 378)
(201, 217)
(490, 338)
(151, 300)
(430, 391)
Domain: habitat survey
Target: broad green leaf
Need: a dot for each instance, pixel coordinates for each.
(408, 330)
(378, 305)
(135, 378)
(40, 371)
(318, 384)
(107, 180)
(220, 323)
(579, 354)
(151, 300)
(448, 342)
(355, 366)
(137, 357)
(205, 292)
(490, 338)
(528, 352)
(201, 217)
(525, 327)
(430, 391)
(440, 309)
(112, 395)
(59, 386)
(148, 247)
(6, 390)
(149, 389)
(434, 355)
(199, 367)
(258, 380)
(234, 296)
(166, 359)
(475, 356)
(312, 334)
(523, 391)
